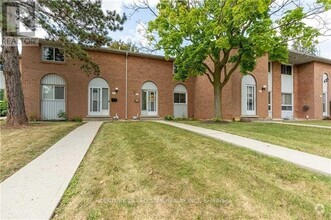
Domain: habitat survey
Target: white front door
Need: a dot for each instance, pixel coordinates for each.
(149, 103)
(98, 101)
(250, 100)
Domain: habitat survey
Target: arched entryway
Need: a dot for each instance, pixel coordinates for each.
(325, 94)
(149, 99)
(98, 97)
(248, 95)
(53, 104)
(180, 101)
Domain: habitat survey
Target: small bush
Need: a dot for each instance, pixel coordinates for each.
(3, 108)
(217, 119)
(62, 114)
(169, 118)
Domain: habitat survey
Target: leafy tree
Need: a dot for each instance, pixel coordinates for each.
(121, 45)
(297, 46)
(217, 37)
(74, 23)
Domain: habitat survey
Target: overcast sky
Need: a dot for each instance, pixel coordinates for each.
(133, 27)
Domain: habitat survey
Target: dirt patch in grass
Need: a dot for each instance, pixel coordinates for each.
(147, 170)
(20, 145)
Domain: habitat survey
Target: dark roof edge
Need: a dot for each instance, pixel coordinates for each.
(312, 57)
(115, 51)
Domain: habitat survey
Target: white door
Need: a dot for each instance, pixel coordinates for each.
(325, 104)
(180, 101)
(248, 95)
(149, 103)
(149, 99)
(250, 100)
(287, 91)
(98, 102)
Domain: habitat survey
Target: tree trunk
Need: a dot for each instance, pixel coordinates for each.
(217, 100)
(11, 69)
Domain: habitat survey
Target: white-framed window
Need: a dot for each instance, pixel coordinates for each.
(286, 69)
(269, 101)
(174, 68)
(269, 67)
(52, 92)
(53, 54)
(180, 98)
(287, 101)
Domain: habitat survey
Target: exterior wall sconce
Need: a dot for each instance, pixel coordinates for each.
(116, 90)
(326, 80)
(264, 87)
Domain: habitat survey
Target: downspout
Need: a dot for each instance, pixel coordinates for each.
(126, 85)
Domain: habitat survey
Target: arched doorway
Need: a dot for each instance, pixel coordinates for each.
(325, 94)
(53, 104)
(149, 99)
(180, 101)
(248, 95)
(98, 97)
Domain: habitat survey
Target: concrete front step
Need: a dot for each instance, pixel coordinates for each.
(146, 118)
(97, 118)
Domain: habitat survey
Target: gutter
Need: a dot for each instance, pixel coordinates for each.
(126, 85)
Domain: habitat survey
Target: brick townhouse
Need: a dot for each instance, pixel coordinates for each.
(141, 85)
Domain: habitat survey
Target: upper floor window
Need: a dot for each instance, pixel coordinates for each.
(1, 67)
(286, 70)
(269, 67)
(174, 69)
(53, 54)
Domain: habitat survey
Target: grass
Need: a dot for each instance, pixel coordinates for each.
(307, 139)
(145, 170)
(19, 146)
(313, 122)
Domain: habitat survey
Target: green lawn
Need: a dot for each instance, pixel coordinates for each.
(311, 140)
(146, 170)
(312, 122)
(21, 145)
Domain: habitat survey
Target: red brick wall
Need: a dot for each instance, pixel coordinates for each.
(320, 69)
(112, 68)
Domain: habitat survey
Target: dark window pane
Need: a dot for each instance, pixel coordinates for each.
(2, 94)
(59, 92)
(48, 53)
(104, 98)
(143, 101)
(176, 97)
(59, 56)
(182, 98)
(287, 108)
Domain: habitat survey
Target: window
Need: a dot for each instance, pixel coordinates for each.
(269, 67)
(286, 101)
(53, 54)
(269, 101)
(180, 98)
(1, 67)
(174, 69)
(286, 70)
(51, 92)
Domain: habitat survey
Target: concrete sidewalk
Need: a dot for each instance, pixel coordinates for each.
(35, 190)
(295, 124)
(308, 161)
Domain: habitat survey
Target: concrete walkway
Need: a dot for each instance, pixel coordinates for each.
(35, 190)
(295, 124)
(309, 161)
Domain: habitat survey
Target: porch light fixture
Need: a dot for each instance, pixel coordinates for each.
(264, 87)
(326, 80)
(116, 90)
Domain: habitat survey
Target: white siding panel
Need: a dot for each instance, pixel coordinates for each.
(53, 79)
(180, 110)
(2, 81)
(287, 84)
(50, 109)
(269, 82)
